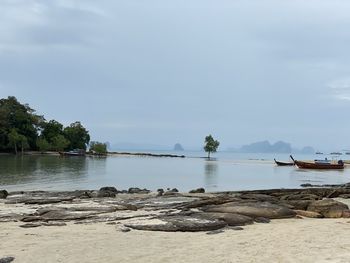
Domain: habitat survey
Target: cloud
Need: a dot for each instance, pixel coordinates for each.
(340, 89)
(36, 24)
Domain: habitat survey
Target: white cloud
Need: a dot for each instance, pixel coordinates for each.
(340, 89)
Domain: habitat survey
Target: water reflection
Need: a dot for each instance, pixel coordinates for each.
(22, 170)
(211, 175)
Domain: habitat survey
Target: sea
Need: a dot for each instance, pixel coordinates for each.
(225, 171)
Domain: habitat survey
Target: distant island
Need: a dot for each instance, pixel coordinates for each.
(178, 147)
(267, 147)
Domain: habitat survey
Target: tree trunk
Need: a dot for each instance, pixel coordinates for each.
(208, 155)
(15, 148)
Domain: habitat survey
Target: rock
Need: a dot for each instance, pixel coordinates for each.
(230, 218)
(259, 197)
(254, 210)
(101, 194)
(301, 196)
(197, 191)
(182, 224)
(124, 229)
(306, 185)
(7, 259)
(135, 190)
(160, 192)
(214, 232)
(298, 204)
(328, 208)
(173, 191)
(346, 214)
(236, 228)
(263, 220)
(109, 189)
(345, 196)
(30, 225)
(3, 194)
(308, 214)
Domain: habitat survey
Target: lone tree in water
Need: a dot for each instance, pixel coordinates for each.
(211, 145)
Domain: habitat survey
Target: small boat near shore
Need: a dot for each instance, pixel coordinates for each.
(73, 153)
(319, 164)
(283, 163)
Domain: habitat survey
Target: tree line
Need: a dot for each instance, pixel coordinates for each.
(22, 129)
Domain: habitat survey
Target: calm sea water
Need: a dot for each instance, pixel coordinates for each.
(228, 171)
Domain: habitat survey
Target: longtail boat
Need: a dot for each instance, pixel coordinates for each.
(318, 165)
(283, 163)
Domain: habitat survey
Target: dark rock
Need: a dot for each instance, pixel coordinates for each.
(197, 191)
(301, 196)
(298, 204)
(230, 218)
(254, 209)
(3, 194)
(182, 224)
(101, 194)
(263, 220)
(173, 191)
(328, 208)
(7, 259)
(306, 185)
(109, 189)
(30, 225)
(214, 232)
(259, 197)
(310, 214)
(160, 191)
(209, 201)
(236, 228)
(135, 190)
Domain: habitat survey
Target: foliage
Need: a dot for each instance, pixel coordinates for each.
(43, 144)
(51, 129)
(211, 145)
(98, 147)
(77, 135)
(22, 118)
(20, 127)
(59, 143)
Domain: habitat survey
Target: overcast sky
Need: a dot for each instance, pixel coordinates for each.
(161, 71)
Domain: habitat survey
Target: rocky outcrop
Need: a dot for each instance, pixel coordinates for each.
(258, 209)
(197, 191)
(328, 208)
(182, 224)
(136, 190)
(230, 219)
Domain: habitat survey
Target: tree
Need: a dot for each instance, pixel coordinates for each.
(59, 143)
(13, 139)
(51, 129)
(98, 147)
(211, 145)
(77, 136)
(23, 142)
(43, 144)
(22, 118)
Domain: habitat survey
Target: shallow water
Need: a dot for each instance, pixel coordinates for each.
(228, 171)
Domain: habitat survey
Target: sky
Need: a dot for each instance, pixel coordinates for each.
(161, 72)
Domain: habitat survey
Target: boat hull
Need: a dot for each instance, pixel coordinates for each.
(306, 165)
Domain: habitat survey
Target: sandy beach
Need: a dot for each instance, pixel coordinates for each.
(288, 240)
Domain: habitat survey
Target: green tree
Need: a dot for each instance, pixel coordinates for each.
(210, 145)
(22, 118)
(23, 142)
(98, 147)
(51, 129)
(77, 136)
(59, 143)
(43, 144)
(13, 140)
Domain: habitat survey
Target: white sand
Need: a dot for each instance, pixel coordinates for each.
(290, 240)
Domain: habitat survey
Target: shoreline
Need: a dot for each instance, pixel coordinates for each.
(107, 225)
